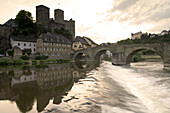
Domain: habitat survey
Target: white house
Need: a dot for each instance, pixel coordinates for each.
(23, 42)
(24, 78)
(164, 32)
(136, 35)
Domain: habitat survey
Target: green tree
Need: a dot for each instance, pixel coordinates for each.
(25, 24)
(10, 52)
(26, 51)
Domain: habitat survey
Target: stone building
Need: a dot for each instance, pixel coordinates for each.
(82, 43)
(136, 35)
(59, 72)
(54, 46)
(17, 52)
(23, 42)
(43, 18)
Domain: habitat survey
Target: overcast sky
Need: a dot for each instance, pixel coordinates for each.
(101, 20)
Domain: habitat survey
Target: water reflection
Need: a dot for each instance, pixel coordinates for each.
(27, 86)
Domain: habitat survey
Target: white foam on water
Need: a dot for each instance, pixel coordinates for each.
(154, 96)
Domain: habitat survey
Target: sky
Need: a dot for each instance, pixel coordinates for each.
(101, 20)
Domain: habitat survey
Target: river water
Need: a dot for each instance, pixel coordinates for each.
(85, 88)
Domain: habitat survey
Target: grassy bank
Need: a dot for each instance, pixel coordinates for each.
(8, 62)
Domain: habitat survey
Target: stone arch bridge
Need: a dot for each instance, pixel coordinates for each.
(122, 54)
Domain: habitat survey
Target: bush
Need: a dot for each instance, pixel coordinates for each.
(24, 57)
(4, 61)
(137, 58)
(41, 57)
(34, 62)
(17, 62)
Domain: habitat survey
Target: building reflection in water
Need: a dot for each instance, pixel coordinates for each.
(40, 84)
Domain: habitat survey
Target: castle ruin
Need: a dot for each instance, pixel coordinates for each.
(43, 18)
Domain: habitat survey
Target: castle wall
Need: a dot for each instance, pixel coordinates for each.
(53, 25)
(5, 32)
(70, 26)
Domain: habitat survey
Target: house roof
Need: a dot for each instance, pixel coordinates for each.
(24, 38)
(81, 39)
(136, 33)
(16, 47)
(91, 41)
(56, 38)
(164, 31)
(42, 6)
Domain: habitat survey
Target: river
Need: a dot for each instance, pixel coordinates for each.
(85, 88)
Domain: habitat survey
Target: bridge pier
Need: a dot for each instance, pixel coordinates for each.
(167, 66)
(118, 59)
(166, 56)
(167, 63)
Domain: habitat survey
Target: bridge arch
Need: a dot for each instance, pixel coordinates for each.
(80, 56)
(98, 54)
(134, 51)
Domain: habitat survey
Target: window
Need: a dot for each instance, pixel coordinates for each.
(34, 49)
(24, 44)
(34, 45)
(18, 44)
(75, 46)
(30, 45)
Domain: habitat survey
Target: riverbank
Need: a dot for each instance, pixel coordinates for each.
(8, 62)
(142, 58)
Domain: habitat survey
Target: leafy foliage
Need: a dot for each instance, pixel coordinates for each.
(24, 57)
(41, 57)
(5, 61)
(25, 24)
(26, 51)
(10, 52)
(146, 39)
(137, 57)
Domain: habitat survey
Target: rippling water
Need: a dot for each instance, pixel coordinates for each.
(70, 88)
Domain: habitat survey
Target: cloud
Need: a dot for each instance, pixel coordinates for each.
(123, 5)
(82, 28)
(138, 12)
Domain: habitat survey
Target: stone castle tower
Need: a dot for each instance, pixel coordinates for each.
(43, 18)
(43, 15)
(59, 15)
